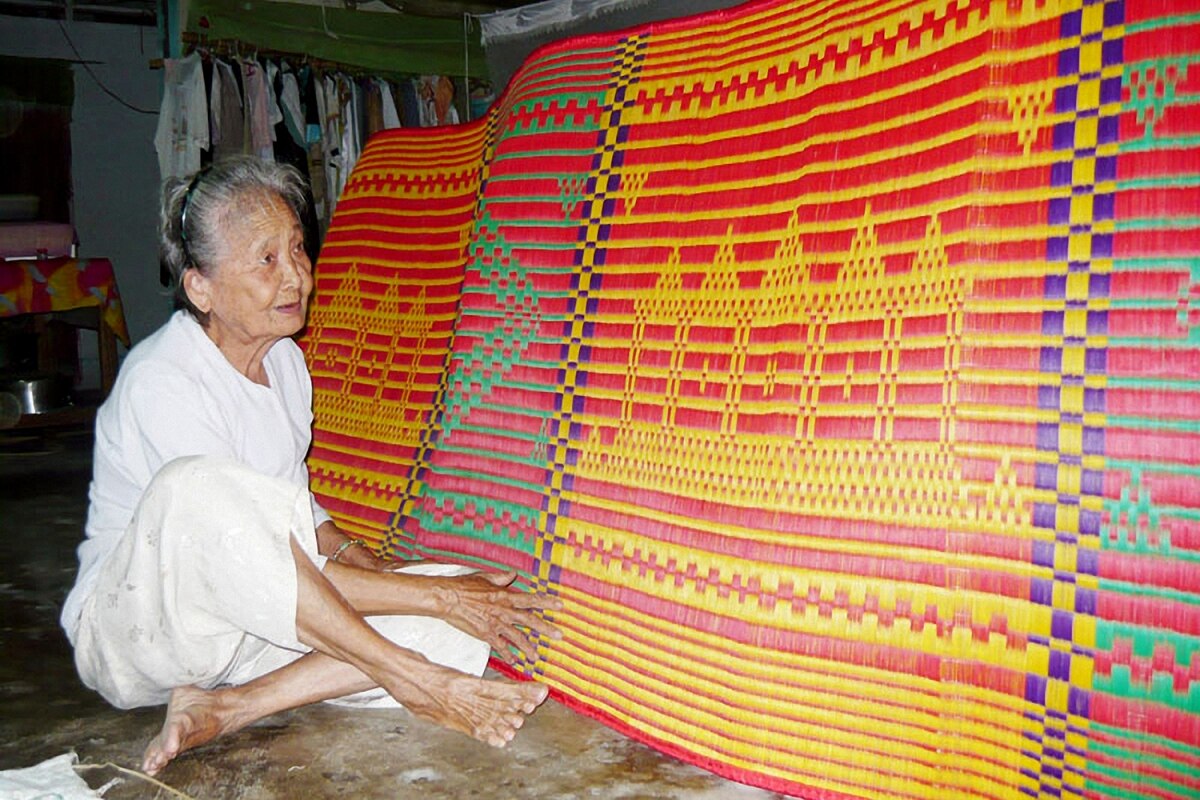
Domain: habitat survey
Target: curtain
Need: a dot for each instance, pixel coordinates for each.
(36, 95)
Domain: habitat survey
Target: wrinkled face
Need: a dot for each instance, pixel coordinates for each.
(257, 292)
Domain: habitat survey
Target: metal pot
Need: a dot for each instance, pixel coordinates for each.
(39, 393)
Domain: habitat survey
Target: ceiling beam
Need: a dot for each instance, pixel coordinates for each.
(448, 9)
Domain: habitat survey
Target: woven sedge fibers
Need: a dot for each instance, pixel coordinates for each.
(837, 363)
(388, 283)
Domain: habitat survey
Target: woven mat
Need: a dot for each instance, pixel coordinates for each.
(836, 363)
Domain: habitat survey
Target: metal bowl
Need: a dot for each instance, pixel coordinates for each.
(39, 394)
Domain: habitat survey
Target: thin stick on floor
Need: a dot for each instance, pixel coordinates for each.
(136, 774)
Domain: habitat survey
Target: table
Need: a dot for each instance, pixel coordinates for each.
(80, 291)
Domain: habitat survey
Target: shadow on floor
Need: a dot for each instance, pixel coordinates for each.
(315, 752)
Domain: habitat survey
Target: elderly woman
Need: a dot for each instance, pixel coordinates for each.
(210, 579)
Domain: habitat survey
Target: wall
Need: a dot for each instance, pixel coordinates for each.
(115, 169)
(534, 27)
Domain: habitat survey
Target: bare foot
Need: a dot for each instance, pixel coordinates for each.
(194, 716)
(491, 711)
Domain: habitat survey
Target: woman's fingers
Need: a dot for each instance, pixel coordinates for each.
(498, 578)
(533, 622)
(518, 631)
(522, 624)
(505, 632)
(526, 601)
(502, 616)
(500, 647)
(515, 597)
(534, 600)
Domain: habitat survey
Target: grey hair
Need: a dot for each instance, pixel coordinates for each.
(195, 208)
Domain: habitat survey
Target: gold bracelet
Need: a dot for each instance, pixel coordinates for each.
(344, 546)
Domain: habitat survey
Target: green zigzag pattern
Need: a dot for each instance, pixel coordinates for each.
(476, 373)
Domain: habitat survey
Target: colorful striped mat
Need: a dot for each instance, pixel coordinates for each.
(837, 362)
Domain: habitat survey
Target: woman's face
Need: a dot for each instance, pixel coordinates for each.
(257, 292)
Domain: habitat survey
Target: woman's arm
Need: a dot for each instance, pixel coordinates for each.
(482, 604)
(333, 543)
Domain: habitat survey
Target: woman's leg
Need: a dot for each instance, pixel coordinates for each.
(195, 715)
(351, 656)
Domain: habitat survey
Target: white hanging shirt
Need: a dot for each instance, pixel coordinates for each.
(391, 117)
(182, 118)
(258, 111)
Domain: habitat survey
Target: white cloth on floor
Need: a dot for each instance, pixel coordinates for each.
(53, 778)
(202, 590)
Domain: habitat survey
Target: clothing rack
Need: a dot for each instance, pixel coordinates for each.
(199, 42)
(325, 133)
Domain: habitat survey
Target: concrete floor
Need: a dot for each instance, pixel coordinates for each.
(315, 752)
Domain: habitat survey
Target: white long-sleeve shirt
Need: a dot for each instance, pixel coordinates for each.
(182, 130)
(177, 395)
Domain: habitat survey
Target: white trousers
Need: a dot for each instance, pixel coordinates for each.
(201, 591)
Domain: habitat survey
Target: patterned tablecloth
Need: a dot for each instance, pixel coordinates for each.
(62, 284)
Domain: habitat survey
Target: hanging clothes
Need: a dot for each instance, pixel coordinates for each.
(274, 112)
(331, 115)
(212, 88)
(410, 103)
(225, 109)
(316, 121)
(182, 118)
(313, 107)
(350, 98)
(287, 150)
(443, 101)
(372, 107)
(291, 105)
(425, 91)
(259, 128)
(391, 117)
(290, 148)
(436, 95)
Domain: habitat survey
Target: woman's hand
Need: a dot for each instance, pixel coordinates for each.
(359, 554)
(482, 604)
(486, 606)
